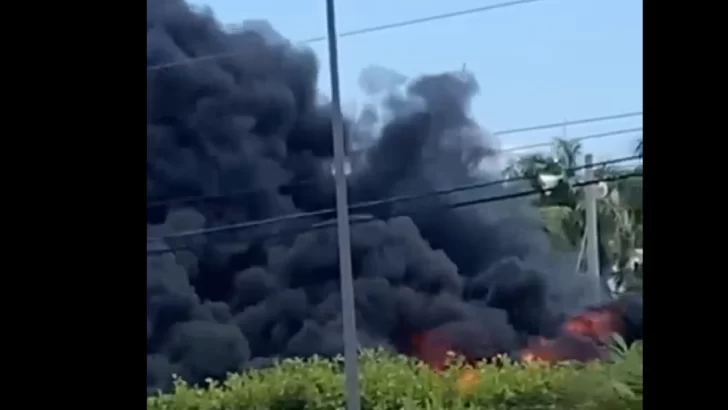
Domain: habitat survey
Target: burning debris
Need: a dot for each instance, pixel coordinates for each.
(583, 337)
(483, 280)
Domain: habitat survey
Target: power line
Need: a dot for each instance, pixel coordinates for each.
(567, 123)
(368, 204)
(428, 19)
(360, 31)
(461, 204)
(240, 193)
(577, 139)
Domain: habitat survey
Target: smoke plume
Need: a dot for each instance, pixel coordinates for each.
(249, 131)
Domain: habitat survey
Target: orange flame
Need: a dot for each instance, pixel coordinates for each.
(435, 349)
(597, 324)
(468, 380)
(432, 348)
(581, 338)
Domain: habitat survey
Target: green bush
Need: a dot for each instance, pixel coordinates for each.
(390, 382)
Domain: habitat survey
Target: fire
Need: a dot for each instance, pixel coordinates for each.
(540, 349)
(527, 356)
(597, 324)
(468, 380)
(582, 337)
(433, 349)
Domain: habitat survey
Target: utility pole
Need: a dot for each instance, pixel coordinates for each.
(353, 400)
(592, 229)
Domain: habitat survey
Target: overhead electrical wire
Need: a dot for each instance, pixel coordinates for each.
(357, 32)
(580, 121)
(253, 224)
(241, 193)
(332, 223)
(577, 139)
(368, 204)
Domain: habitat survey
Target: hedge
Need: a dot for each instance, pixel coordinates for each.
(390, 382)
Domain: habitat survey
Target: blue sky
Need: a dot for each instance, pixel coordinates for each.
(536, 63)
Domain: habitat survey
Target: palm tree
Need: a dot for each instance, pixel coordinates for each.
(567, 153)
(619, 212)
(620, 225)
(558, 206)
(559, 163)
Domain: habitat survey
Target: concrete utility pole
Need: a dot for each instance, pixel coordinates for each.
(353, 400)
(592, 228)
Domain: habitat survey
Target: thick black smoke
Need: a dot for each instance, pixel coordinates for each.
(250, 121)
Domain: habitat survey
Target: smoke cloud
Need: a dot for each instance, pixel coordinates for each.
(252, 121)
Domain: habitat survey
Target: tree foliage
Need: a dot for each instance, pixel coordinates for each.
(397, 382)
(562, 208)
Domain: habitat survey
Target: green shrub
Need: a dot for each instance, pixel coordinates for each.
(390, 382)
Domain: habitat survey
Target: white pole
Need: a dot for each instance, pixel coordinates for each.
(592, 229)
(353, 401)
(580, 257)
